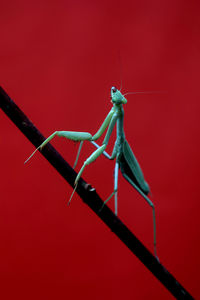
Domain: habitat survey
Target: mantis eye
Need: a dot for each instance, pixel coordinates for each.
(113, 89)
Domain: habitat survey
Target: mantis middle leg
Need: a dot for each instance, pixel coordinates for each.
(152, 206)
(115, 188)
(116, 172)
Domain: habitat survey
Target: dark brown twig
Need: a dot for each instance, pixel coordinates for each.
(91, 198)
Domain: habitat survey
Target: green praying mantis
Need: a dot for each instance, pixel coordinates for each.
(125, 159)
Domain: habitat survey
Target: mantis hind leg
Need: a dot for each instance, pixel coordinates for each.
(152, 206)
(115, 189)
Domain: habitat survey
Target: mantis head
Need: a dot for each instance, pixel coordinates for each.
(117, 96)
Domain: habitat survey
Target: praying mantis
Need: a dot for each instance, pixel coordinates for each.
(122, 153)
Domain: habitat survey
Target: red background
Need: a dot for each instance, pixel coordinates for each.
(58, 62)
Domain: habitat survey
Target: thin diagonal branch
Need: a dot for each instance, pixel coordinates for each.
(91, 198)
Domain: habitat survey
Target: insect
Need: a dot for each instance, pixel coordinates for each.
(125, 159)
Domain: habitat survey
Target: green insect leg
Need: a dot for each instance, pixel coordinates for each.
(78, 154)
(71, 135)
(89, 160)
(115, 189)
(153, 210)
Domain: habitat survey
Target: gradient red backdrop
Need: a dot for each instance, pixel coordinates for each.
(58, 62)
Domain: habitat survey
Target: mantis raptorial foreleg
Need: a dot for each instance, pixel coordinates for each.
(104, 152)
(100, 149)
(96, 145)
(77, 136)
(110, 120)
(96, 136)
(71, 135)
(89, 160)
